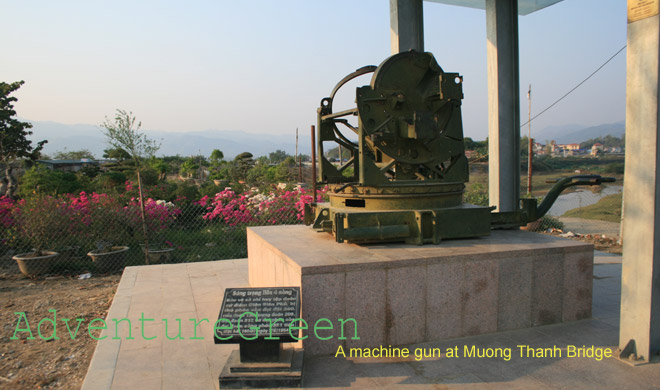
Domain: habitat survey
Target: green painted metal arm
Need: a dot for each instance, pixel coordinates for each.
(562, 184)
(530, 212)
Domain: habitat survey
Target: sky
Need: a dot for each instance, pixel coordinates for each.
(263, 66)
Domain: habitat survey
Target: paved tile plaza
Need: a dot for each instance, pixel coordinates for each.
(193, 292)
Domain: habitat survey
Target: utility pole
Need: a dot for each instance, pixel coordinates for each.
(299, 159)
(530, 152)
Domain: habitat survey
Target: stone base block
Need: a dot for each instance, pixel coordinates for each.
(237, 375)
(404, 294)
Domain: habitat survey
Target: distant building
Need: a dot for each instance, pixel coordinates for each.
(68, 165)
(538, 148)
(596, 149)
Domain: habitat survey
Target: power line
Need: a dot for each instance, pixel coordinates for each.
(576, 87)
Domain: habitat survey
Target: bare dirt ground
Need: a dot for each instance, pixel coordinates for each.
(602, 242)
(54, 364)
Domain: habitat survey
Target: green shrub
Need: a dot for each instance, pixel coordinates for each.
(615, 168)
(41, 180)
(476, 194)
(109, 181)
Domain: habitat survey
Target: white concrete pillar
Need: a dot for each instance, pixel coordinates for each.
(406, 25)
(503, 104)
(640, 279)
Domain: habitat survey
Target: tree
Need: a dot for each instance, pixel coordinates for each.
(14, 144)
(118, 154)
(524, 146)
(243, 163)
(277, 156)
(41, 180)
(160, 166)
(73, 154)
(124, 133)
(334, 153)
(188, 168)
(217, 157)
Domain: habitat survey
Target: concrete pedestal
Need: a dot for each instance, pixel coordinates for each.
(404, 294)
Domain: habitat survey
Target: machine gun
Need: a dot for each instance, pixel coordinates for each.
(409, 164)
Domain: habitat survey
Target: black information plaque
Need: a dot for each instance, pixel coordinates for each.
(259, 320)
(265, 313)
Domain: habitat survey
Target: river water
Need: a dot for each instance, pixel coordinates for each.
(580, 198)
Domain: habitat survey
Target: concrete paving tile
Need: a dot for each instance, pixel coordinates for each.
(177, 326)
(143, 306)
(209, 310)
(385, 373)
(127, 280)
(463, 381)
(519, 384)
(146, 337)
(137, 365)
(120, 305)
(150, 383)
(334, 372)
(209, 296)
(102, 366)
(181, 303)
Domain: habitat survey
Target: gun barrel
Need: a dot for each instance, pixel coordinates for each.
(562, 184)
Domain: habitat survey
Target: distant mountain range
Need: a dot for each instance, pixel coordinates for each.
(81, 136)
(569, 134)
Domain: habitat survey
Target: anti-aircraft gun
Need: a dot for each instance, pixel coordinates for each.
(409, 164)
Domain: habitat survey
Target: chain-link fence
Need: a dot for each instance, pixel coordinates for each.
(101, 233)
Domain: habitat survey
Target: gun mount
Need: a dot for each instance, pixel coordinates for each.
(409, 167)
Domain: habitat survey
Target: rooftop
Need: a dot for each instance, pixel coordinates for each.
(525, 7)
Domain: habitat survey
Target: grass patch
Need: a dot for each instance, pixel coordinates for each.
(607, 209)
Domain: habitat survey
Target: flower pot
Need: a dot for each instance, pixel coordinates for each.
(31, 265)
(158, 255)
(109, 260)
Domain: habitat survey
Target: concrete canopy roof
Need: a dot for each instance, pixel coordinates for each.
(525, 7)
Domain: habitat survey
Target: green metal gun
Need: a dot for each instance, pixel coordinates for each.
(409, 167)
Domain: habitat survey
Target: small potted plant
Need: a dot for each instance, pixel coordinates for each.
(159, 252)
(108, 227)
(108, 257)
(38, 223)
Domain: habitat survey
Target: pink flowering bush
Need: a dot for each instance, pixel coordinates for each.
(44, 222)
(6, 205)
(159, 215)
(253, 207)
(115, 220)
(6, 221)
(212, 227)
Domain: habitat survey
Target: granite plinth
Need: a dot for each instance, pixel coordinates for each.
(404, 294)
